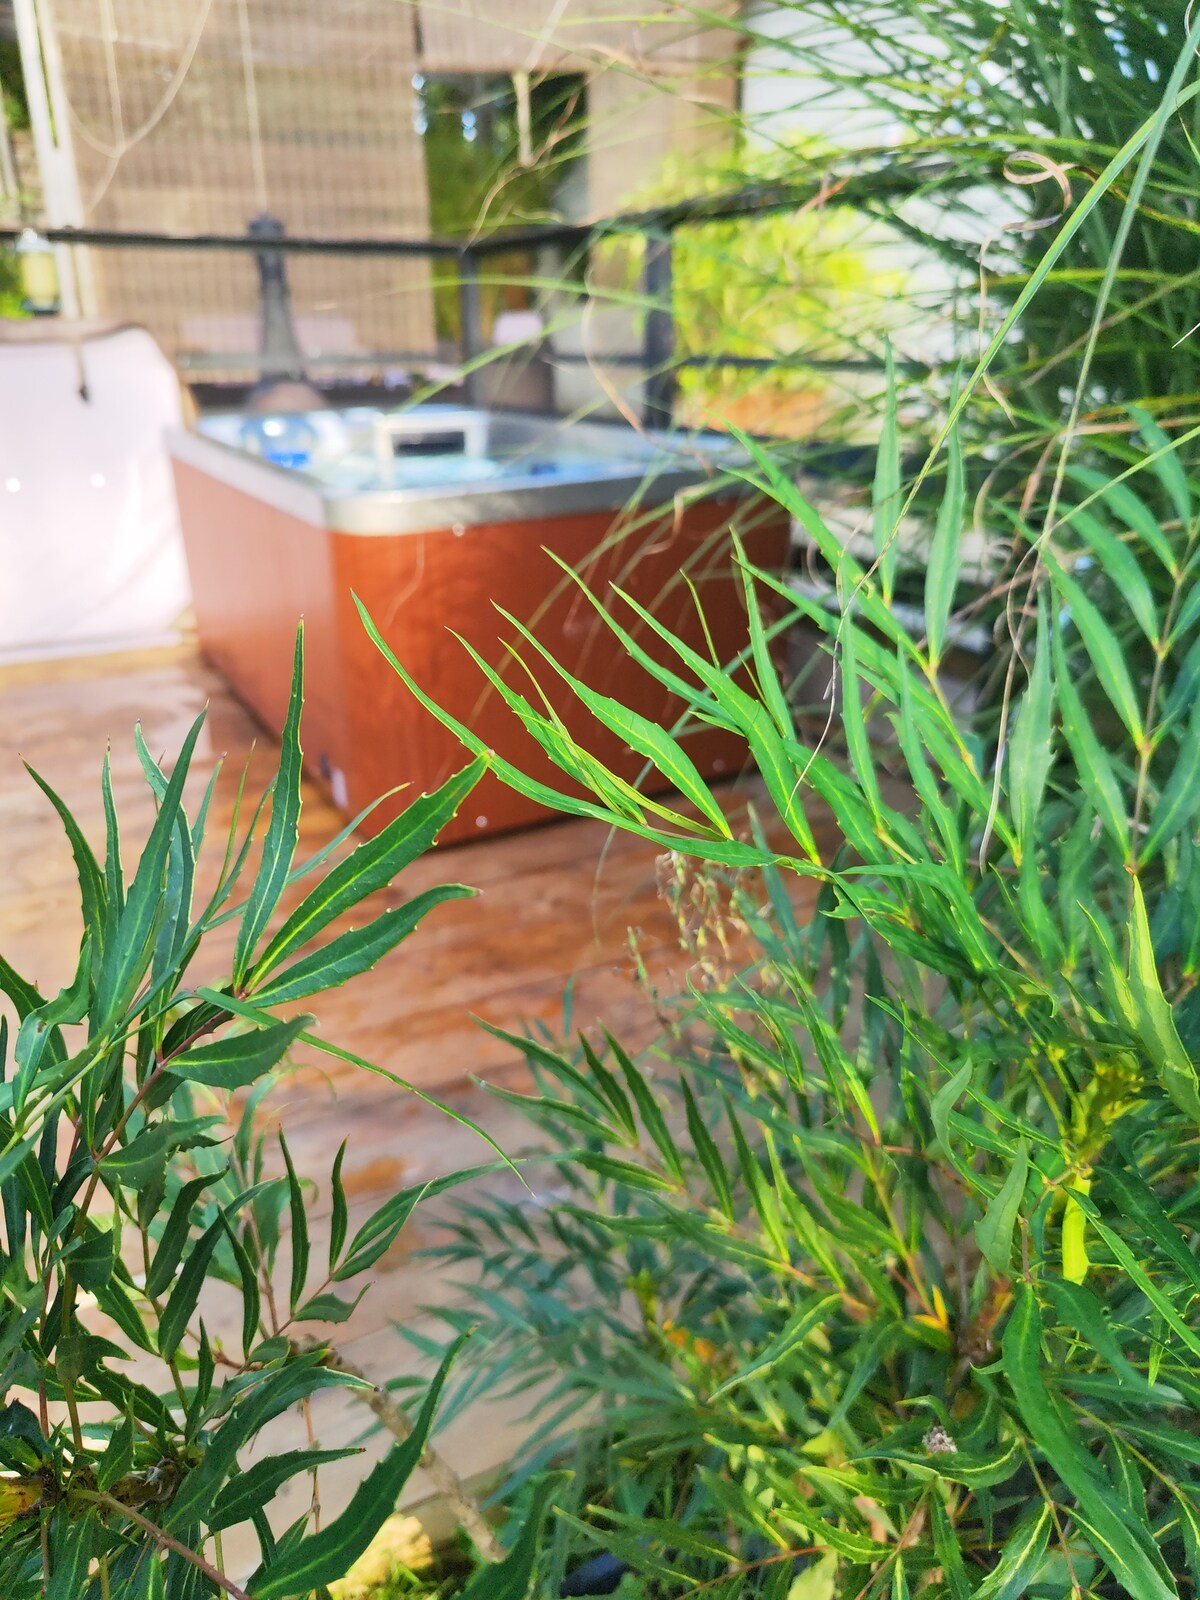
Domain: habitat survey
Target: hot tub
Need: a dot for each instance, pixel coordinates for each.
(430, 515)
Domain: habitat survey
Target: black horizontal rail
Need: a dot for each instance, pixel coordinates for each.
(792, 363)
(252, 361)
(299, 244)
(890, 177)
(866, 184)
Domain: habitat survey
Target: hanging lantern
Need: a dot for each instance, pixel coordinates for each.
(39, 275)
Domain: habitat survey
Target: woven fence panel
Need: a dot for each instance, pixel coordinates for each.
(196, 115)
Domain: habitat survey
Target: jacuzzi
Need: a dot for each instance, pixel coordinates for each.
(433, 516)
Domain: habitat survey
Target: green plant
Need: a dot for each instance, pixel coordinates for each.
(15, 104)
(897, 1291)
(806, 293)
(482, 178)
(1014, 110)
(134, 1177)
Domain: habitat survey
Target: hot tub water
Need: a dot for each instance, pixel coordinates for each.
(364, 450)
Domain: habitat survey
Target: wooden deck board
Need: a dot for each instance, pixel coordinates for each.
(555, 907)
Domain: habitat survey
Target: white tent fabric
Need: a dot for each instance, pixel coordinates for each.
(91, 556)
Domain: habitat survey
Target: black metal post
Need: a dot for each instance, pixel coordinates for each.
(659, 384)
(470, 311)
(282, 358)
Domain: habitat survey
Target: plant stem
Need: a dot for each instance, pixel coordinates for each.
(167, 1542)
(466, 1508)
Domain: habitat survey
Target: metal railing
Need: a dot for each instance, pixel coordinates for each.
(865, 186)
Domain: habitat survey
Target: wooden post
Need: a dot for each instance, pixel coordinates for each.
(658, 403)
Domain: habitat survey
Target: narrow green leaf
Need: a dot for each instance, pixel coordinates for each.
(175, 922)
(92, 890)
(251, 1294)
(174, 1235)
(779, 772)
(329, 1307)
(541, 1057)
(1121, 566)
(886, 503)
(40, 1032)
(222, 1001)
(143, 1160)
(1132, 1560)
(126, 947)
(323, 1557)
(279, 844)
(118, 1457)
(862, 754)
(648, 1109)
(1080, 1310)
(1154, 1019)
(728, 853)
(355, 951)
(850, 575)
(710, 1156)
(117, 1302)
(796, 1330)
(1134, 1199)
(25, 996)
(949, 1554)
(274, 1391)
(1165, 464)
(114, 878)
(369, 868)
(299, 1215)
(626, 1174)
(1021, 1558)
(512, 1578)
(609, 1088)
(1136, 515)
(1103, 649)
(549, 1111)
(945, 550)
(640, 734)
(1030, 751)
(72, 1542)
(770, 689)
(1178, 804)
(1092, 765)
(339, 1213)
(255, 1488)
(994, 1230)
(1189, 1527)
(186, 1293)
(239, 1059)
(923, 779)
(549, 731)
(383, 1225)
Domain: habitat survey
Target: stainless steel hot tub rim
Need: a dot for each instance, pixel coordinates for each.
(659, 462)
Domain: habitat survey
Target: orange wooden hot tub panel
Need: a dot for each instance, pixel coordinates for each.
(256, 570)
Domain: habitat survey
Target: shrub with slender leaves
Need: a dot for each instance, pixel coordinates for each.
(1017, 108)
(134, 1178)
(889, 1284)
